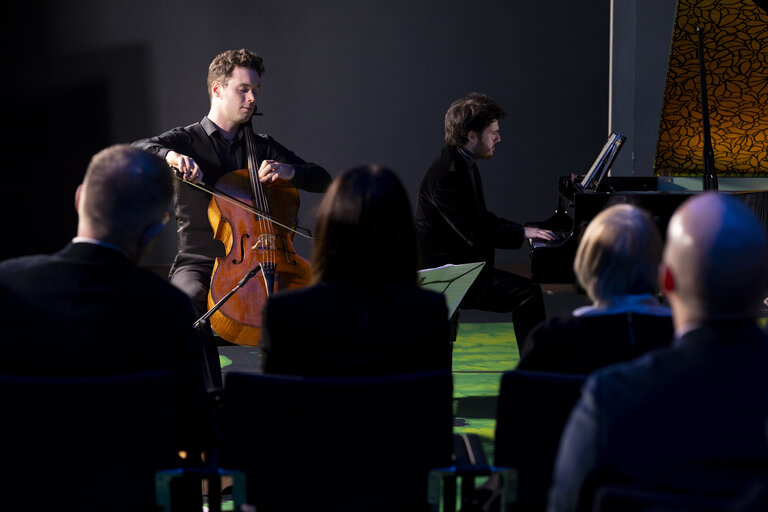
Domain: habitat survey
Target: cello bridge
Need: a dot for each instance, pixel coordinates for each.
(266, 242)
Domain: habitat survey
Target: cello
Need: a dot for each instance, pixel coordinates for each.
(258, 237)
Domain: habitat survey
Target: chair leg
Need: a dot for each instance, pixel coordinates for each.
(177, 490)
(214, 491)
(449, 493)
(442, 490)
(467, 490)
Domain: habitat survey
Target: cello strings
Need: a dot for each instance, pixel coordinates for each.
(259, 195)
(299, 230)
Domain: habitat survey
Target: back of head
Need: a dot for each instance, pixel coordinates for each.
(717, 254)
(125, 191)
(473, 112)
(619, 254)
(221, 67)
(365, 229)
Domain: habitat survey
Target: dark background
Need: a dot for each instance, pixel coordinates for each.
(346, 83)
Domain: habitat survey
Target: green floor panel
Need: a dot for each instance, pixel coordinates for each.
(485, 347)
(474, 404)
(481, 354)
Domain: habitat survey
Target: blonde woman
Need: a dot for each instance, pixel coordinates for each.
(617, 264)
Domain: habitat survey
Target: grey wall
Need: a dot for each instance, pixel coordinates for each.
(642, 38)
(346, 83)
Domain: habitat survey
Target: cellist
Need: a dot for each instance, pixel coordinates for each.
(211, 148)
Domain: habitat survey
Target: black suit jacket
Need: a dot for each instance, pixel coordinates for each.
(87, 310)
(582, 344)
(452, 221)
(348, 329)
(690, 418)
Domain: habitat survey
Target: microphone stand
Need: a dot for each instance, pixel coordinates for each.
(200, 323)
(211, 471)
(709, 176)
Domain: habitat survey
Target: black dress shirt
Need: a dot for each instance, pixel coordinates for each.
(216, 156)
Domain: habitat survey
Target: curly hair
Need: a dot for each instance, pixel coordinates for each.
(223, 64)
(474, 112)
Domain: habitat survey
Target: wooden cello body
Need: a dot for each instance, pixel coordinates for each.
(250, 241)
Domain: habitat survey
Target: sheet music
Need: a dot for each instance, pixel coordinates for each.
(452, 281)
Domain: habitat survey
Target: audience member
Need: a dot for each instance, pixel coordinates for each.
(689, 418)
(365, 313)
(617, 264)
(88, 310)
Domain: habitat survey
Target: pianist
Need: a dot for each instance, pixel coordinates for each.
(454, 226)
(617, 265)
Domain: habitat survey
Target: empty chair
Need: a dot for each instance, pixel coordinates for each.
(86, 443)
(533, 408)
(337, 443)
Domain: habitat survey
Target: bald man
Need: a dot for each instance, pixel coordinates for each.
(690, 418)
(88, 310)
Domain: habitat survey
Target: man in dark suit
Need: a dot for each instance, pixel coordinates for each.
(454, 225)
(690, 418)
(88, 310)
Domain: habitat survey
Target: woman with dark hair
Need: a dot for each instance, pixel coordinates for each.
(364, 314)
(617, 265)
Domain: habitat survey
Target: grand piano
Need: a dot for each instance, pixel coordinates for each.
(734, 66)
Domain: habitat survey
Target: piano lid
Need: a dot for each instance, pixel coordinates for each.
(736, 59)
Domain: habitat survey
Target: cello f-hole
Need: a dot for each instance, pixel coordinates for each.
(242, 249)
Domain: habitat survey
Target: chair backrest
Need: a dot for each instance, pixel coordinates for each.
(337, 443)
(85, 443)
(532, 410)
(629, 499)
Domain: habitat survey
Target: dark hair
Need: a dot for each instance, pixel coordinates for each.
(475, 112)
(224, 63)
(128, 188)
(365, 229)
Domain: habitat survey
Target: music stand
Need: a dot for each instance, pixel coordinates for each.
(451, 280)
(602, 163)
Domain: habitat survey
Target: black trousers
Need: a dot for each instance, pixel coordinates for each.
(194, 278)
(504, 292)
